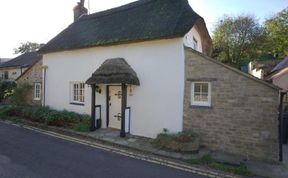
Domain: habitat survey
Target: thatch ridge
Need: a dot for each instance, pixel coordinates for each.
(138, 21)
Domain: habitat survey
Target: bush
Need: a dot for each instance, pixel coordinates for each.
(20, 94)
(79, 122)
(185, 141)
(6, 86)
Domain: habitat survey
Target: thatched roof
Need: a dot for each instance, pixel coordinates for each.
(138, 21)
(115, 70)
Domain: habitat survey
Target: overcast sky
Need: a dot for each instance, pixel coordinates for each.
(40, 20)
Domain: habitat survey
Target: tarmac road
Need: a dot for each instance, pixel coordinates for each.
(29, 154)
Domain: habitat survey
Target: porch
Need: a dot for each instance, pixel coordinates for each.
(115, 75)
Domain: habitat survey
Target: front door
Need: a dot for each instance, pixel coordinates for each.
(115, 107)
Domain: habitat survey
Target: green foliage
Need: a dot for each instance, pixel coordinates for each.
(6, 86)
(277, 34)
(20, 94)
(79, 122)
(236, 39)
(208, 160)
(239, 40)
(27, 47)
(83, 126)
(181, 141)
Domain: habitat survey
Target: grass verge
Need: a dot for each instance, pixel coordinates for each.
(212, 163)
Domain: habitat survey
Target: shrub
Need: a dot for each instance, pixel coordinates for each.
(6, 85)
(20, 94)
(79, 122)
(185, 141)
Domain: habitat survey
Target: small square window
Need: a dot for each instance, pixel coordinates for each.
(6, 75)
(201, 94)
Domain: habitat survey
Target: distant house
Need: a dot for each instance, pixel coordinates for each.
(12, 69)
(279, 77)
(261, 68)
(33, 77)
(145, 66)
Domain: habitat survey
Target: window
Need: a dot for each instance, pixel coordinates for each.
(77, 92)
(201, 94)
(6, 75)
(37, 91)
(195, 43)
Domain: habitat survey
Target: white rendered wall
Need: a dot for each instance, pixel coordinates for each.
(188, 39)
(156, 104)
(255, 72)
(13, 73)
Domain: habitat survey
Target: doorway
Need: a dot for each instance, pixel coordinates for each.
(114, 104)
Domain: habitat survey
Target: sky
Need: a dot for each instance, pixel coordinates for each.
(40, 20)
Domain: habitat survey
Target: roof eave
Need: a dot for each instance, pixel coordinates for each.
(235, 70)
(112, 44)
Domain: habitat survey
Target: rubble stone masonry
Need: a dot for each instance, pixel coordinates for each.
(31, 76)
(243, 117)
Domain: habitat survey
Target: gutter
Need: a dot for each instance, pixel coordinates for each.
(45, 67)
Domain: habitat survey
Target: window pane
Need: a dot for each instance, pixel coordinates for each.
(197, 96)
(205, 87)
(204, 98)
(197, 87)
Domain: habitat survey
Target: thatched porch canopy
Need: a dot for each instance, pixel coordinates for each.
(115, 70)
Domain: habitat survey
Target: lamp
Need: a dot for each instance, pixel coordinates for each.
(98, 89)
(130, 90)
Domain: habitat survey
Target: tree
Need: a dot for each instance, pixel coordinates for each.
(277, 34)
(27, 47)
(236, 39)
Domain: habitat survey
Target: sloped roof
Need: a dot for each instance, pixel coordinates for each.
(24, 60)
(283, 64)
(233, 69)
(138, 21)
(115, 70)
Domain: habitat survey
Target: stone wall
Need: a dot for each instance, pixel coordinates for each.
(242, 119)
(31, 76)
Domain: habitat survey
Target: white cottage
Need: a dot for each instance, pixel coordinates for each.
(125, 66)
(145, 66)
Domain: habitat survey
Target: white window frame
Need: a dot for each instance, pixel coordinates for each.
(77, 96)
(199, 103)
(37, 91)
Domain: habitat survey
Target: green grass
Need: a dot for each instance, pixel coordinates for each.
(81, 127)
(209, 161)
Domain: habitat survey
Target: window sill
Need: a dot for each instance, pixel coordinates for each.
(200, 107)
(78, 104)
(37, 99)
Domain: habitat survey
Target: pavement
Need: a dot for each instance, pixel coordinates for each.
(285, 155)
(30, 153)
(111, 137)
